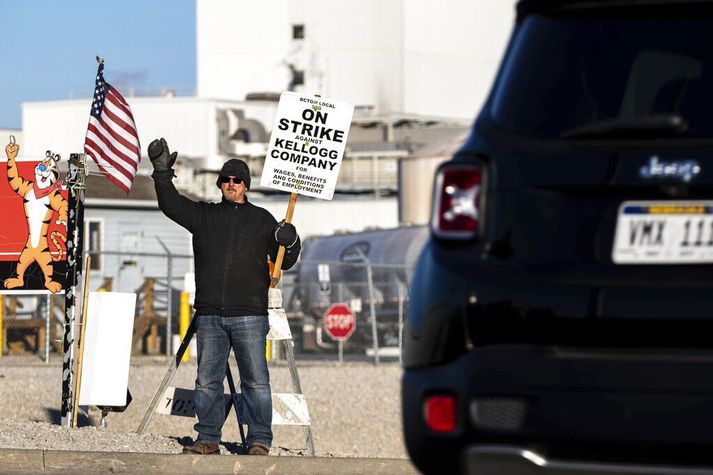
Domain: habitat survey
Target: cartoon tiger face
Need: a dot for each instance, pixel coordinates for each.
(47, 171)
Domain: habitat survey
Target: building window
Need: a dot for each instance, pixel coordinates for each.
(93, 242)
(298, 32)
(297, 79)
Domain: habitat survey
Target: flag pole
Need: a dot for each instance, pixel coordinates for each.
(75, 223)
(82, 333)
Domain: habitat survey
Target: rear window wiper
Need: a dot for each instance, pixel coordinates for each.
(652, 126)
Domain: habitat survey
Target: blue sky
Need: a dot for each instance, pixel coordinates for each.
(47, 48)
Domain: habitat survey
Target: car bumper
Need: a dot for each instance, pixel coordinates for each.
(480, 459)
(561, 399)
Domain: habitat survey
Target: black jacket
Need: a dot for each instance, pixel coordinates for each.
(231, 244)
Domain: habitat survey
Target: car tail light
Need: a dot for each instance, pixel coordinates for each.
(440, 413)
(456, 202)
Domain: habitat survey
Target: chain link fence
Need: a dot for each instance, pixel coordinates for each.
(376, 294)
(31, 323)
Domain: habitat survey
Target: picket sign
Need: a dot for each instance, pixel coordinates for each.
(305, 151)
(289, 409)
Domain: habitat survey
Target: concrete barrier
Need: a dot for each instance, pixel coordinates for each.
(30, 461)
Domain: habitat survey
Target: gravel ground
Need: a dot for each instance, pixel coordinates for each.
(354, 409)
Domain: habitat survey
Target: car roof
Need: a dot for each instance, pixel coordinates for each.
(527, 7)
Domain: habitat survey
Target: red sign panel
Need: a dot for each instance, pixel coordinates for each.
(339, 322)
(33, 228)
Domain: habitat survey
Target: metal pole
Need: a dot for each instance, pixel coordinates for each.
(75, 182)
(374, 335)
(401, 320)
(169, 278)
(48, 316)
(184, 320)
(169, 308)
(340, 343)
(82, 334)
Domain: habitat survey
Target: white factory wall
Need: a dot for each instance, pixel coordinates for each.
(188, 124)
(400, 56)
(452, 50)
(314, 217)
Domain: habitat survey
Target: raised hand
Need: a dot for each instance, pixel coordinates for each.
(161, 158)
(12, 149)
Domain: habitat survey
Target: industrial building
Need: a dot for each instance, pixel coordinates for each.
(416, 72)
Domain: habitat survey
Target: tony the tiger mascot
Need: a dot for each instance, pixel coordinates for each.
(41, 199)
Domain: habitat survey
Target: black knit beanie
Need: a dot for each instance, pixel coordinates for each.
(236, 168)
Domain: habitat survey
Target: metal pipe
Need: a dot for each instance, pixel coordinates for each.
(401, 320)
(169, 278)
(183, 321)
(48, 317)
(374, 334)
(340, 343)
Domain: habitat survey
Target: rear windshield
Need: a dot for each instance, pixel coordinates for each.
(562, 73)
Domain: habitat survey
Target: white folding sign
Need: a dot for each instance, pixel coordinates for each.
(107, 348)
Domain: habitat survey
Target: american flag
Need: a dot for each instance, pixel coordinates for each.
(112, 140)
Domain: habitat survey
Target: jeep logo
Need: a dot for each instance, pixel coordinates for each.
(685, 170)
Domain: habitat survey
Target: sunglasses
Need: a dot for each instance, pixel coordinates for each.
(228, 179)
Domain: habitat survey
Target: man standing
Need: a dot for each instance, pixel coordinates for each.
(231, 243)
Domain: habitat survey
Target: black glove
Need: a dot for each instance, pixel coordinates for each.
(286, 234)
(161, 159)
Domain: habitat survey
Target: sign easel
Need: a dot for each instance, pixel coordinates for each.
(172, 367)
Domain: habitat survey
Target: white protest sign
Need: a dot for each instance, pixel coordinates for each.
(107, 348)
(307, 145)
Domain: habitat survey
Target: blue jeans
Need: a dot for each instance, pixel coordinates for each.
(246, 335)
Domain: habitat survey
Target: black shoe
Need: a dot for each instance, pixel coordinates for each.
(258, 449)
(202, 448)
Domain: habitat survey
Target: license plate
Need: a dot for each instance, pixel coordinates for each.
(666, 232)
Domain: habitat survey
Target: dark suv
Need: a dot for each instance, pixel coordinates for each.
(561, 314)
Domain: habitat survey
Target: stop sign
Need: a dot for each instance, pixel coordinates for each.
(339, 321)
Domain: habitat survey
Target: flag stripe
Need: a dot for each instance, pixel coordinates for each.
(121, 117)
(116, 99)
(118, 135)
(104, 130)
(107, 136)
(106, 156)
(114, 93)
(118, 128)
(112, 140)
(107, 169)
(121, 182)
